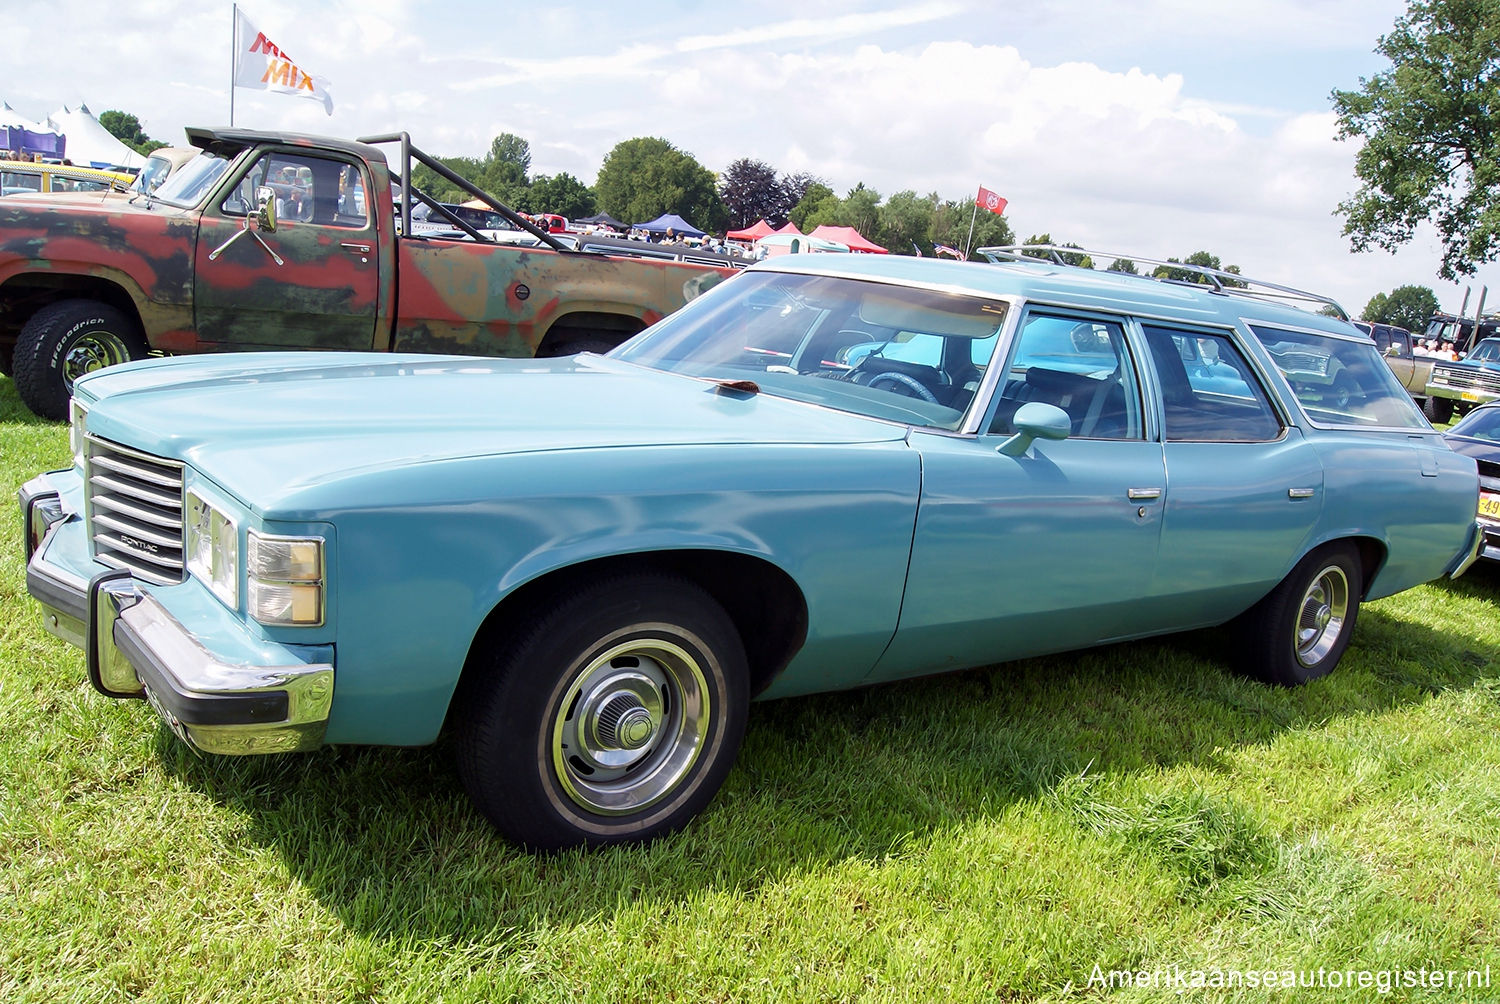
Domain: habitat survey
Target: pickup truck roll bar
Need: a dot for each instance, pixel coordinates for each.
(408, 192)
(1227, 283)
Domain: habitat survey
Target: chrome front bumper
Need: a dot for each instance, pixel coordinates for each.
(1477, 548)
(135, 648)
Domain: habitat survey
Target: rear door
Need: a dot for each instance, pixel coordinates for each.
(314, 283)
(1245, 488)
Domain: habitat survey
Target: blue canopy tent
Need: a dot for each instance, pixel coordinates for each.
(667, 221)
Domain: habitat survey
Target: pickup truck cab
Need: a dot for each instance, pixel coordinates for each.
(281, 241)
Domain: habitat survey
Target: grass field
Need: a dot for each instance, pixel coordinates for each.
(991, 835)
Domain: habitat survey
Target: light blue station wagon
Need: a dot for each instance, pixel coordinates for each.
(827, 472)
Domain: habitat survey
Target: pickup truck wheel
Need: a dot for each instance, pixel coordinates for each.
(614, 719)
(1437, 409)
(63, 341)
(1301, 629)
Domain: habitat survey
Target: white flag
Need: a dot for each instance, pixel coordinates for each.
(261, 64)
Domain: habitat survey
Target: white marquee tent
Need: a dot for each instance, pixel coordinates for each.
(89, 143)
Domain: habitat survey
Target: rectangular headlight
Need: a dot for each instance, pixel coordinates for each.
(284, 585)
(213, 549)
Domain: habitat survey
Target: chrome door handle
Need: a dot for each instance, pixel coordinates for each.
(1141, 494)
(1301, 493)
(356, 248)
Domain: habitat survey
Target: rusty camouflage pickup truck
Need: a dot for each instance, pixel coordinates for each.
(272, 240)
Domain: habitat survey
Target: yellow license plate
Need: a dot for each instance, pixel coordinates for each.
(1489, 505)
(1469, 395)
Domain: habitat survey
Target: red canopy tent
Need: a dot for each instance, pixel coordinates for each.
(789, 228)
(849, 236)
(760, 228)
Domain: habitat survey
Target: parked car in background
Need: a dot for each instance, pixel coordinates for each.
(273, 240)
(1397, 346)
(585, 568)
(1478, 436)
(19, 177)
(160, 164)
(1456, 386)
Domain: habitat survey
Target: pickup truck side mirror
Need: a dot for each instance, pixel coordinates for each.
(1393, 349)
(265, 216)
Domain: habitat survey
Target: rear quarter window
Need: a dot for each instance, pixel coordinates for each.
(1339, 381)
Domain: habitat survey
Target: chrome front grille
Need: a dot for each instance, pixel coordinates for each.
(1461, 377)
(133, 505)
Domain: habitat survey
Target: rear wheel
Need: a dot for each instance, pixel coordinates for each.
(1301, 629)
(63, 341)
(614, 719)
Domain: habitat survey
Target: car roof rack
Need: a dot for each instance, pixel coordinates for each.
(1217, 280)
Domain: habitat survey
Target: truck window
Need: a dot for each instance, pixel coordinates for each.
(308, 190)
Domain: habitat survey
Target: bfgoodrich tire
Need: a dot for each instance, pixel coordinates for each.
(1300, 630)
(63, 341)
(614, 719)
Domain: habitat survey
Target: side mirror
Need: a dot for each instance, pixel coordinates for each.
(265, 215)
(1036, 420)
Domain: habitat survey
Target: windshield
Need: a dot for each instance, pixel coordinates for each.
(1481, 423)
(152, 175)
(189, 183)
(1340, 381)
(892, 352)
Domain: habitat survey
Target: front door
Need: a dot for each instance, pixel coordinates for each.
(1052, 550)
(323, 292)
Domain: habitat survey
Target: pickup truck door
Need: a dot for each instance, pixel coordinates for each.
(313, 283)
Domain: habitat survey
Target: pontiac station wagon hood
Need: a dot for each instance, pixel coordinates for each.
(262, 424)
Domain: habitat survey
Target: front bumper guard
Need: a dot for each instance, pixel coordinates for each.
(135, 648)
(1472, 552)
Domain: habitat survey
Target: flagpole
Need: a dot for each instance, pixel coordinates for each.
(970, 239)
(234, 49)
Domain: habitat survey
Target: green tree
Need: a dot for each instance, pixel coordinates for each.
(1202, 259)
(1406, 307)
(1080, 260)
(1431, 143)
(126, 128)
(1123, 265)
(440, 188)
(815, 199)
(644, 177)
(560, 193)
(905, 223)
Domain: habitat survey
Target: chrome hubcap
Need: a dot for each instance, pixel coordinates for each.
(92, 351)
(1321, 615)
(630, 726)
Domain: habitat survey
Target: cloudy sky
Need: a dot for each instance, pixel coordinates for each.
(1144, 127)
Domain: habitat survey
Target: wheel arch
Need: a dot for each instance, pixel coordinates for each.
(584, 325)
(764, 602)
(24, 293)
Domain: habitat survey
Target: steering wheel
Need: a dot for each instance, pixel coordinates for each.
(902, 380)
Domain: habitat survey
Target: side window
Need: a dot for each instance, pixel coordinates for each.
(1381, 335)
(1080, 365)
(1209, 394)
(1339, 381)
(308, 189)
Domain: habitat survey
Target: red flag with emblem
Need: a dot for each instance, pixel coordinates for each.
(989, 200)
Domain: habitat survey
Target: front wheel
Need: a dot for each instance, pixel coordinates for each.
(614, 719)
(1302, 627)
(63, 341)
(1438, 410)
